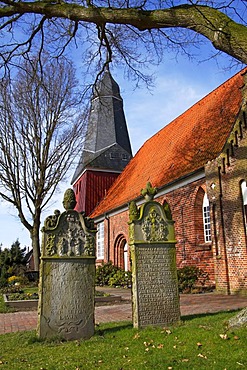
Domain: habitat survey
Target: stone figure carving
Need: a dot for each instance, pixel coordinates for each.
(89, 249)
(50, 246)
(69, 233)
(154, 227)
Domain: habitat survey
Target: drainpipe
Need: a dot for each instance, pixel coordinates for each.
(223, 231)
(183, 233)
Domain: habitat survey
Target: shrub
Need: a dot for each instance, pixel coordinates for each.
(108, 274)
(12, 262)
(3, 277)
(11, 289)
(189, 277)
(121, 278)
(104, 272)
(17, 280)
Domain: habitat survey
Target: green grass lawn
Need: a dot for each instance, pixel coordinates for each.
(199, 342)
(3, 307)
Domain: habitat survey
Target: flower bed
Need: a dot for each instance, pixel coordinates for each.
(29, 301)
(21, 305)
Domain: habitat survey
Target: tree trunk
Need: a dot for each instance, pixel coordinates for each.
(34, 234)
(36, 251)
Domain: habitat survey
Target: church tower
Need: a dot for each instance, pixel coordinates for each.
(106, 149)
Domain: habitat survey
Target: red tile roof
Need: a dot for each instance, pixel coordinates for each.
(180, 148)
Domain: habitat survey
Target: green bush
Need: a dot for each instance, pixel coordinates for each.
(190, 277)
(108, 274)
(11, 289)
(104, 272)
(12, 262)
(17, 280)
(3, 276)
(121, 278)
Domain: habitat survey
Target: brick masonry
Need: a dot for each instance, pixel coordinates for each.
(225, 258)
(187, 214)
(224, 177)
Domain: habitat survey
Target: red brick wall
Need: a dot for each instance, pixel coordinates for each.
(191, 249)
(224, 176)
(118, 231)
(186, 207)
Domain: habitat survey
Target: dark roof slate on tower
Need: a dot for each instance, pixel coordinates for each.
(107, 145)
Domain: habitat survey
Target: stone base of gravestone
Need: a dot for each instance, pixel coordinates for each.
(154, 285)
(66, 305)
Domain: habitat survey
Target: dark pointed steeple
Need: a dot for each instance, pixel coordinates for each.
(107, 144)
(106, 149)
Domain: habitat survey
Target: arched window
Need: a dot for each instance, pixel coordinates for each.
(100, 241)
(121, 253)
(244, 197)
(126, 258)
(206, 219)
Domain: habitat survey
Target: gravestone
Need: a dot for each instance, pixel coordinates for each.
(67, 274)
(155, 296)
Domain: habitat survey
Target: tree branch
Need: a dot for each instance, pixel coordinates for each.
(225, 34)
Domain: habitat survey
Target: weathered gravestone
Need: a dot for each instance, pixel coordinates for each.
(67, 274)
(155, 296)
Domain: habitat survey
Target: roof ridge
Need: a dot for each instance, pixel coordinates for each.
(242, 72)
(184, 145)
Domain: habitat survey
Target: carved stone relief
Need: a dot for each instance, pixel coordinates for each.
(154, 227)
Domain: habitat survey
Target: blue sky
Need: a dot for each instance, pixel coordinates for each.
(179, 84)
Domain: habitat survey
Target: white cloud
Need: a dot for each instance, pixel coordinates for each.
(146, 114)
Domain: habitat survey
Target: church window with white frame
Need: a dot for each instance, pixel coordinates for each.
(244, 197)
(206, 219)
(100, 241)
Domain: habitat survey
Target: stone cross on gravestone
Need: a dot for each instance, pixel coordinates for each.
(155, 296)
(67, 274)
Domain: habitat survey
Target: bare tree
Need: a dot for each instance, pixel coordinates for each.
(123, 27)
(40, 131)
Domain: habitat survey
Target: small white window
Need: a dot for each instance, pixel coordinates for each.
(206, 219)
(100, 240)
(244, 196)
(125, 257)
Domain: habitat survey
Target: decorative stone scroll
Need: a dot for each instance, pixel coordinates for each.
(67, 274)
(154, 275)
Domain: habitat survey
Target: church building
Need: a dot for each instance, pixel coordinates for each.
(198, 163)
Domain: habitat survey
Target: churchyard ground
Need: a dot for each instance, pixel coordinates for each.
(198, 342)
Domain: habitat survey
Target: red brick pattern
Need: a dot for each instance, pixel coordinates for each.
(190, 304)
(224, 176)
(190, 247)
